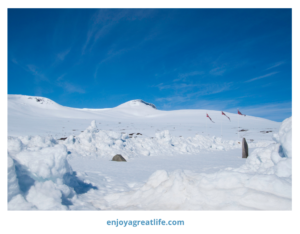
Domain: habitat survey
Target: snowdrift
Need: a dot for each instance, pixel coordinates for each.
(100, 143)
(40, 177)
(263, 183)
(39, 174)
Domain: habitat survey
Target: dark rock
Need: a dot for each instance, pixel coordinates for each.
(118, 158)
(244, 148)
(265, 131)
(243, 130)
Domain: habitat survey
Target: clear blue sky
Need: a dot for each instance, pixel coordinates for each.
(218, 59)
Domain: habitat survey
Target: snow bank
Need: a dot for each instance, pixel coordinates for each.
(45, 163)
(36, 170)
(264, 183)
(101, 143)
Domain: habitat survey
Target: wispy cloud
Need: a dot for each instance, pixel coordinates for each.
(218, 71)
(67, 86)
(35, 71)
(174, 99)
(185, 102)
(175, 86)
(261, 77)
(275, 65)
(189, 99)
(105, 21)
(61, 56)
(14, 61)
(273, 111)
(183, 76)
(71, 88)
(61, 77)
(101, 24)
(208, 89)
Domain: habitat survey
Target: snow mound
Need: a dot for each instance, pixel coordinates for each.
(32, 100)
(45, 196)
(45, 163)
(137, 103)
(263, 183)
(39, 175)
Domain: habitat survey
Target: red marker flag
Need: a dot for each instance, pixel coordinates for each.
(209, 118)
(225, 115)
(240, 113)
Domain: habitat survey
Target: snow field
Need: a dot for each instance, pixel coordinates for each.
(263, 182)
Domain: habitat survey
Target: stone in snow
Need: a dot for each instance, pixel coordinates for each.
(244, 148)
(118, 158)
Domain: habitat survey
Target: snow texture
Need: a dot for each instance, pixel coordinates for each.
(40, 175)
(12, 181)
(43, 170)
(263, 183)
(101, 143)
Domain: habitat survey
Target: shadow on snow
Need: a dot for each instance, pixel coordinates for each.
(70, 179)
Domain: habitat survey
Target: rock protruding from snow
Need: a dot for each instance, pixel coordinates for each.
(118, 158)
(244, 148)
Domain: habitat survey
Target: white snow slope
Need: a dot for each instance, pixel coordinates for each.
(175, 159)
(41, 116)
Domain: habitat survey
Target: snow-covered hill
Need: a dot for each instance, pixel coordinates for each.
(41, 116)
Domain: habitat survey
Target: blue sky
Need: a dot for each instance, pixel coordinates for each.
(218, 59)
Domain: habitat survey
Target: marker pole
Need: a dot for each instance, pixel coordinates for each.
(206, 127)
(239, 126)
(221, 127)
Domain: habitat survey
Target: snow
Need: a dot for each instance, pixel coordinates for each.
(26, 117)
(168, 167)
(185, 190)
(261, 183)
(12, 181)
(45, 196)
(45, 163)
(101, 143)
